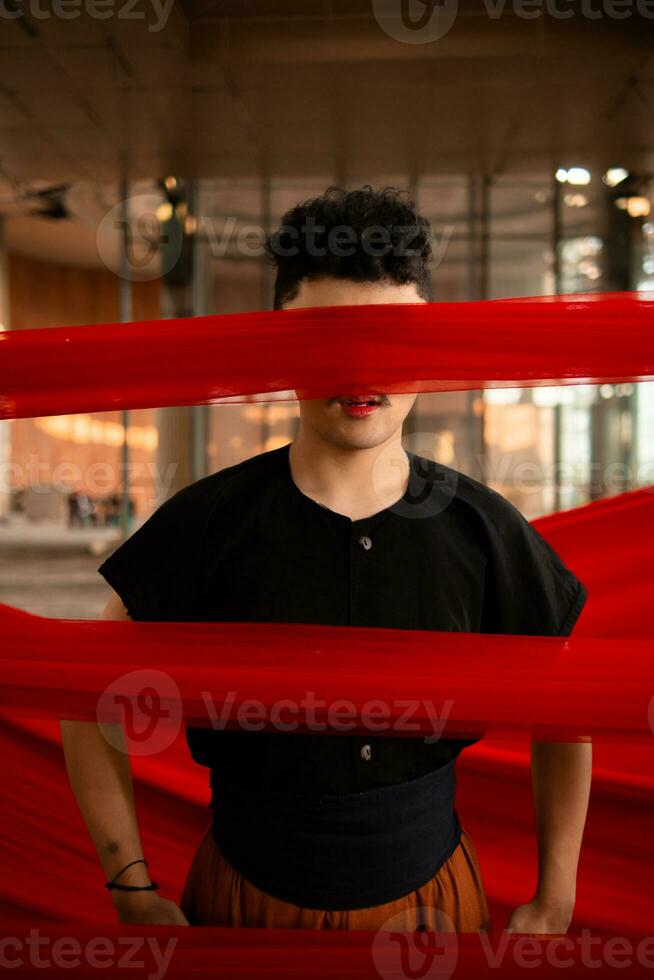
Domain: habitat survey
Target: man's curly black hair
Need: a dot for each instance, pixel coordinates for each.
(362, 235)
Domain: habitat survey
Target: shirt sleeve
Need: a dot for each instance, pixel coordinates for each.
(156, 570)
(529, 589)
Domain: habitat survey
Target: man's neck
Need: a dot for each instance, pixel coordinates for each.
(354, 482)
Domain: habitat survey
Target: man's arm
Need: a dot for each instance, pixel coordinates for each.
(101, 778)
(561, 778)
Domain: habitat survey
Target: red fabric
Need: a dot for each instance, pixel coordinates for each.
(320, 352)
(52, 880)
(51, 872)
(478, 683)
(284, 953)
(599, 682)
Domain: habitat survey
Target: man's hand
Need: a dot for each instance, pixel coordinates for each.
(150, 911)
(537, 917)
(561, 777)
(101, 779)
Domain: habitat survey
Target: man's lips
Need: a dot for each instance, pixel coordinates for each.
(360, 406)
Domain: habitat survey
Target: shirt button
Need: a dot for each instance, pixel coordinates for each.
(366, 752)
(365, 542)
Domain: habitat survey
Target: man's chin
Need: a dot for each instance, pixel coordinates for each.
(357, 441)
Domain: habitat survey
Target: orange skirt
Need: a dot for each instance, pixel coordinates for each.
(454, 900)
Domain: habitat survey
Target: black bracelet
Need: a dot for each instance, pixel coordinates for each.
(131, 888)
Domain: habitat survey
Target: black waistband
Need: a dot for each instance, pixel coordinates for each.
(339, 852)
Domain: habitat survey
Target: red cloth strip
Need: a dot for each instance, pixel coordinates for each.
(598, 682)
(52, 873)
(57, 950)
(472, 683)
(262, 356)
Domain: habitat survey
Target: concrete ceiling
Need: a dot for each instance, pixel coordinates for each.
(249, 88)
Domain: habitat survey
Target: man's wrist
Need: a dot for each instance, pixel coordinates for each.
(558, 904)
(132, 901)
(556, 886)
(134, 875)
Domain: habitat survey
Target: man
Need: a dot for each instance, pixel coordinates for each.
(342, 527)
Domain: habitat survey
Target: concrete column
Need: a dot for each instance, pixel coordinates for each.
(176, 449)
(5, 427)
(125, 307)
(175, 425)
(557, 240)
(478, 286)
(200, 280)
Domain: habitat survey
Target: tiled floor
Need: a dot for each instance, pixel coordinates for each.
(65, 586)
(50, 571)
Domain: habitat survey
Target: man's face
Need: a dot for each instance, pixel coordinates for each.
(372, 417)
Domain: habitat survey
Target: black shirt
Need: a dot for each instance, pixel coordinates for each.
(246, 544)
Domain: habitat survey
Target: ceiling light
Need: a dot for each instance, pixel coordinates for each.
(165, 211)
(589, 269)
(549, 396)
(615, 175)
(638, 206)
(578, 176)
(575, 200)
(502, 396)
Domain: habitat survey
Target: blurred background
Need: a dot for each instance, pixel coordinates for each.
(147, 149)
